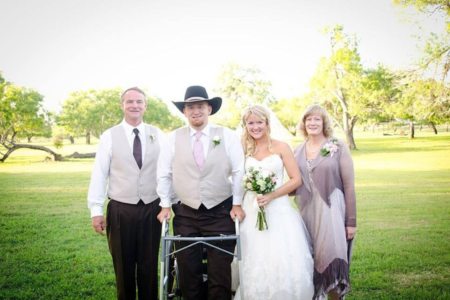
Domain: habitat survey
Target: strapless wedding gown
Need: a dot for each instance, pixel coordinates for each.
(276, 262)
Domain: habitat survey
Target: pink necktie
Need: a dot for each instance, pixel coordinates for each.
(198, 150)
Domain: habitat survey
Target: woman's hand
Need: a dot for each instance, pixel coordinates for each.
(263, 200)
(350, 232)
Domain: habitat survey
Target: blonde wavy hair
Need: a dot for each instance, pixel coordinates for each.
(316, 109)
(248, 142)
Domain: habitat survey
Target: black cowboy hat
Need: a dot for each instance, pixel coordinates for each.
(198, 93)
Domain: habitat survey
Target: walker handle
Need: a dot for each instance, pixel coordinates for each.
(164, 227)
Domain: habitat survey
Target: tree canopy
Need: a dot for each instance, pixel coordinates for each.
(93, 111)
(239, 87)
(21, 113)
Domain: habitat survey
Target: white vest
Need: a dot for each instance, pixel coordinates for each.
(209, 186)
(128, 183)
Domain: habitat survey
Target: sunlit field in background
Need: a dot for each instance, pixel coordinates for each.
(402, 250)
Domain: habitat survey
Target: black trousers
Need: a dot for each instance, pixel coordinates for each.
(204, 222)
(134, 235)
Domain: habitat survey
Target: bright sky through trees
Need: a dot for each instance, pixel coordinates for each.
(57, 47)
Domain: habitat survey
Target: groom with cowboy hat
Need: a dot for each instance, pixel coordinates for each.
(194, 174)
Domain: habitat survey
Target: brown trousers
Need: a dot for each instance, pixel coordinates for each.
(204, 222)
(134, 235)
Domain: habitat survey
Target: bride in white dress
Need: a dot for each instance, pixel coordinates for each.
(276, 262)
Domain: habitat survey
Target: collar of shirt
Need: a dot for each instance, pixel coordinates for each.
(130, 136)
(205, 131)
(129, 129)
(204, 137)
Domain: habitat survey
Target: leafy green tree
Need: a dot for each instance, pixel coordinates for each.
(429, 85)
(159, 115)
(434, 97)
(105, 111)
(436, 49)
(240, 87)
(289, 111)
(436, 56)
(21, 114)
(337, 83)
(379, 93)
(350, 92)
(93, 111)
(79, 112)
(423, 100)
(427, 6)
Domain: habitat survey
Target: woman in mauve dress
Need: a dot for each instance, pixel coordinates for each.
(327, 202)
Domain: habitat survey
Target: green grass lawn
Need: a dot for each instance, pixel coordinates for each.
(402, 251)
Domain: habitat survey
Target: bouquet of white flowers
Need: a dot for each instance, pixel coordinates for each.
(261, 182)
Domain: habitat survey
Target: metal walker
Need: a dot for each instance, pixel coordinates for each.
(167, 251)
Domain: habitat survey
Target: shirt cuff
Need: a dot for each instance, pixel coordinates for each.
(96, 211)
(237, 200)
(165, 203)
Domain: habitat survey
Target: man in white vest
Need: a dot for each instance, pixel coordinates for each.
(201, 172)
(125, 172)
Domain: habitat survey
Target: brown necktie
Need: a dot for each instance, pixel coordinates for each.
(137, 148)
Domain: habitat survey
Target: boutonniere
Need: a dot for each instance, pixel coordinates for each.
(329, 148)
(152, 137)
(216, 140)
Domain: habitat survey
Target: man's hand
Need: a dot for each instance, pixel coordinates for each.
(165, 213)
(237, 212)
(98, 223)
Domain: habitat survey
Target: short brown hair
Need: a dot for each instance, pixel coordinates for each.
(316, 109)
(134, 88)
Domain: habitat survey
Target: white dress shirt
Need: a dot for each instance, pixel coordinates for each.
(233, 149)
(100, 171)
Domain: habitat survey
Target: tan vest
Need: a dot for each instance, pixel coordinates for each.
(128, 183)
(210, 186)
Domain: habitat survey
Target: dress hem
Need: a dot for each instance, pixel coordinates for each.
(334, 277)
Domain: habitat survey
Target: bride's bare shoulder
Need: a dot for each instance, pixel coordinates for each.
(279, 146)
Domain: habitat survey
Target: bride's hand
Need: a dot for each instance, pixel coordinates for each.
(263, 200)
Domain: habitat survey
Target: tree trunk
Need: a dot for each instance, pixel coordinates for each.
(350, 140)
(411, 129)
(348, 130)
(29, 138)
(433, 127)
(81, 155)
(13, 137)
(14, 147)
(88, 137)
(71, 139)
